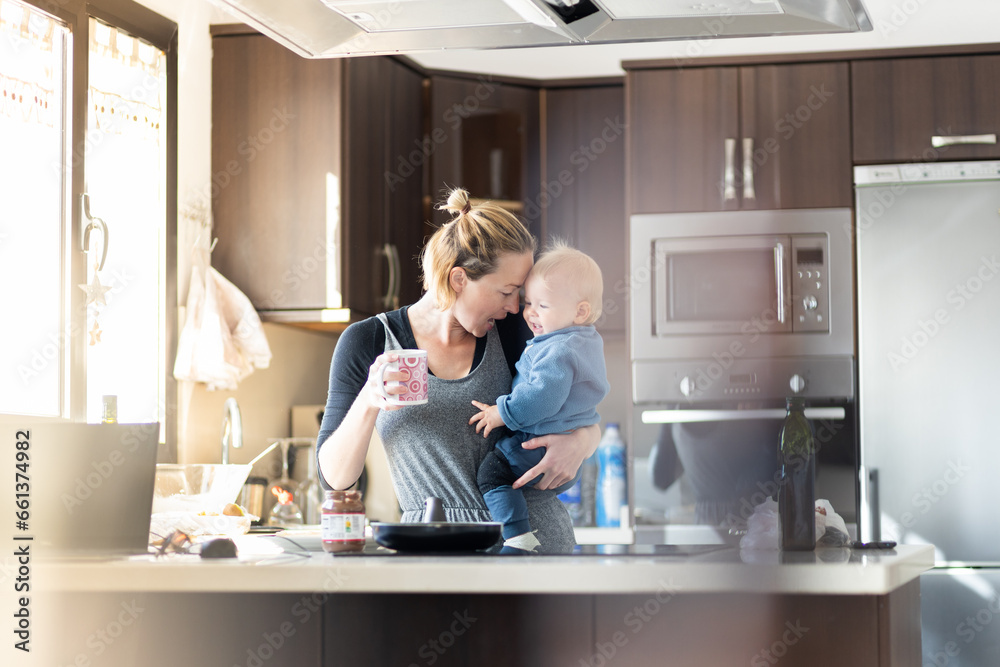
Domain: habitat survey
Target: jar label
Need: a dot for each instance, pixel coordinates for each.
(342, 527)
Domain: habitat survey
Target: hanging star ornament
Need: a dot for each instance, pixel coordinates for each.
(95, 334)
(95, 291)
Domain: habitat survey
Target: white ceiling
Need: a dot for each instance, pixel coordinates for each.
(897, 24)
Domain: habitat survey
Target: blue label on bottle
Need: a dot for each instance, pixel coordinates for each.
(571, 495)
(611, 492)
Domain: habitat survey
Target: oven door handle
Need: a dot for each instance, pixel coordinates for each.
(779, 278)
(702, 416)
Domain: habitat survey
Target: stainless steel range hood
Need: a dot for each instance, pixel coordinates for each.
(337, 28)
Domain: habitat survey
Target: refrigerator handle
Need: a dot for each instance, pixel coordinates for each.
(869, 525)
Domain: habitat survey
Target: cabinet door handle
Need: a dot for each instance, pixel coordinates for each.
(779, 278)
(748, 189)
(938, 142)
(387, 250)
(729, 175)
(397, 274)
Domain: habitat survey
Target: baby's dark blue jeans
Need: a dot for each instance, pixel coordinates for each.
(499, 470)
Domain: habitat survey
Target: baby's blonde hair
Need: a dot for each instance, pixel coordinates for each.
(474, 239)
(583, 273)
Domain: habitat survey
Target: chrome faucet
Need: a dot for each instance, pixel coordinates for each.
(232, 428)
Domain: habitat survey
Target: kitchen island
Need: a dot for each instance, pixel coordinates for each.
(693, 605)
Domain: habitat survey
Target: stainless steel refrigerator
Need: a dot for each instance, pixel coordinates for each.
(928, 280)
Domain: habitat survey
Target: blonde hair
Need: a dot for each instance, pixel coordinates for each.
(583, 273)
(474, 239)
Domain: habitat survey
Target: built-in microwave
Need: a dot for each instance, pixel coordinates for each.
(741, 305)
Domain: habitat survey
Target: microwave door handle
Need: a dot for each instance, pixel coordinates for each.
(779, 278)
(729, 175)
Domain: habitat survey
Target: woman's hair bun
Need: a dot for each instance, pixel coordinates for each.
(458, 203)
(473, 240)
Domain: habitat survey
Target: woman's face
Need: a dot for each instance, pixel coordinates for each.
(481, 302)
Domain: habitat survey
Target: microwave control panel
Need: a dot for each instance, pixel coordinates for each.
(810, 291)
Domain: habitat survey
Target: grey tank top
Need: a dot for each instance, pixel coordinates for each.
(432, 449)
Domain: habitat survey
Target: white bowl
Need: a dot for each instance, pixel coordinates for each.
(197, 487)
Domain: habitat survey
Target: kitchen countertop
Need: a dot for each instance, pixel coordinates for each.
(263, 567)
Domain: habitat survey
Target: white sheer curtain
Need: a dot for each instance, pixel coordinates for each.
(33, 125)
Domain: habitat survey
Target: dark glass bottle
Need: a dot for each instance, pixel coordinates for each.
(797, 493)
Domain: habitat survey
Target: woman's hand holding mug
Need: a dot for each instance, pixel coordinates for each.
(409, 369)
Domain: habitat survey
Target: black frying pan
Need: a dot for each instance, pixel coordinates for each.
(435, 534)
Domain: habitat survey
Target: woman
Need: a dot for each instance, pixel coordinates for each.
(473, 270)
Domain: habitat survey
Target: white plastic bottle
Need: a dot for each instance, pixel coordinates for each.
(611, 495)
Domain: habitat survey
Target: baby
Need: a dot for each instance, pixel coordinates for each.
(560, 380)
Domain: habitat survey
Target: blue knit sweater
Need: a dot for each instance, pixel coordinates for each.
(560, 379)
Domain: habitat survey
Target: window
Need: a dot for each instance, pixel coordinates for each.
(33, 130)
(125, 165)
(87, 249)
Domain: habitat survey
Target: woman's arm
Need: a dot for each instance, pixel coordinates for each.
(352, 405)
(341, 457)
(564, 454)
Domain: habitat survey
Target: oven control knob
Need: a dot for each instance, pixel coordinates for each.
(810, 302)
(687, 386)
(797, 383)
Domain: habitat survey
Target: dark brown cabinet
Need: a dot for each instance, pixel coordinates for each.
(926, 109)
(312, 208)
(729, 138)
(383, 182)
(485, 137)
(584, 182)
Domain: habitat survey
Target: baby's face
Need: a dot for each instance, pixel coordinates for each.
(550, 305)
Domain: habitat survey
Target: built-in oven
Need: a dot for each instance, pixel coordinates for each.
(741, 304)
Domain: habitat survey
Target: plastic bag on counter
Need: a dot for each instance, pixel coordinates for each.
(763, 530)
(831, 530)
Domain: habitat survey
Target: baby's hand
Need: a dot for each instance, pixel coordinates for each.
(488, 418)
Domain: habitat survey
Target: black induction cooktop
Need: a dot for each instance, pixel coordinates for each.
(291, 542)
(600, 550)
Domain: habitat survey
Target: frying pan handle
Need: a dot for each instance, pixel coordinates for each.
(433, 510)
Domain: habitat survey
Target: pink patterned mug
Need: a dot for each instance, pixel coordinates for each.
(413, 365)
